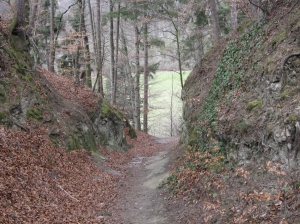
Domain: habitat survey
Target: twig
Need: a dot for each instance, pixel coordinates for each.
(264, 10)
(109, 200)
(60, 187)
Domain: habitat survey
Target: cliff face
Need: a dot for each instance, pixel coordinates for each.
(243, 99)
(74, 119)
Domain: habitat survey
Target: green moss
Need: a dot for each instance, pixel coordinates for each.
(132, 133)
(73, 143)
(242, 127)
(103, 139)
(193, 140)
(278, 39)
(35, 114)
(287, 92)
(4, 89)
(254, 104)
(293, 117)
(80, 139)
(4, 117)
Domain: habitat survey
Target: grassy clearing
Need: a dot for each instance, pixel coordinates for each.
(162, 101)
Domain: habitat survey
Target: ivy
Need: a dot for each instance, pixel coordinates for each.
(232, 68)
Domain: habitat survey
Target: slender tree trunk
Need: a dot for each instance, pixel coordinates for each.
(137, 114)
(52, 39)
(31, 31)
(215, 21)
(179, 56)
(32, 17)
(87, 56)
(171, 107)
(233, 14)
(99, 52)
(146, 74)
(114, 96)
(77, 64)
(21, 18)
(92, 25)
(128, 72)
(112, 49)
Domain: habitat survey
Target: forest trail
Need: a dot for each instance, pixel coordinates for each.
(140, 198)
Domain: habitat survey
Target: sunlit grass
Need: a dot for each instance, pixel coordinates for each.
(160, 97)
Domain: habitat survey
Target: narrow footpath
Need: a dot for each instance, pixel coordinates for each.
(140, 200)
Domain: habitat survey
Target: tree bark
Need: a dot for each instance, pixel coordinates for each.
(52, 39)
(128, 73)
(99, 52)
(87, 56)
(92, 25)
(114, 96)
(21, 18)
(146, 74)
(137, 106)
(233, 14)
(215, 21)
(112, 49)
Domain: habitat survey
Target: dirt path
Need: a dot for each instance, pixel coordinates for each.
(141, 201)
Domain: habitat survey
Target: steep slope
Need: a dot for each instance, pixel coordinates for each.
(77, 119)
(241, 127)
(245, 93)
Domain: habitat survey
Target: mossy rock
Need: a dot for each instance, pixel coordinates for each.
(81, 138)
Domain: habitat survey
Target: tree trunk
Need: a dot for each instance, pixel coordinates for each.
(128, 73)
(87, 55)
(52, 39)
(215, 21)
(233, 14)
(112, 50)
(92, 25)
(32, 17)
(99, 52)
(21, 18)
(146, 74)
(179, 55)
(114, 95)
(137, 114)
(31, 31)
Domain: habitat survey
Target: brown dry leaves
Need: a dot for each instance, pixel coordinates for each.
(40, 183)
(66, 86)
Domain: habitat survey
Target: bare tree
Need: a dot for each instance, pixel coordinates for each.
(115, 76)
(137, 98)
(146, 74)
(112, 47)
(215, 21)
(52, 39)
(99, 52)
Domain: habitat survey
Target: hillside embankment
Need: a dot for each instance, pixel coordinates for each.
(242, 126)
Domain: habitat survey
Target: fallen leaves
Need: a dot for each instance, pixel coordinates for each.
(44, 184)
(66, 86)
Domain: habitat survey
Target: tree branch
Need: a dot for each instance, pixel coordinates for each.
(288, 57)
(60, 19)
(264, 10)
